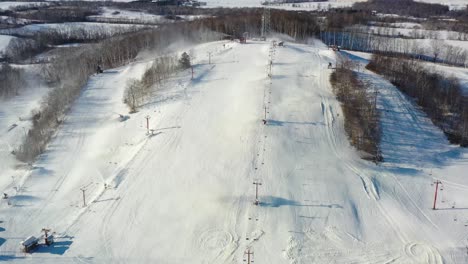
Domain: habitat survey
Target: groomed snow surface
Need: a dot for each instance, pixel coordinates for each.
(185, 193)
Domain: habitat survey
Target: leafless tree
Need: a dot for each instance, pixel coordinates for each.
(437, 47)
(361, 118)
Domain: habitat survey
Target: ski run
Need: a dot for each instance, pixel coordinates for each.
(185, 193)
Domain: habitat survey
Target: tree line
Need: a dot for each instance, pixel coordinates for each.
(359, 40)
(57, 12)
(359, 106)
(26, 46)
(300, 25)
(11, 80)
(403, 8)
(137, 92)
(440, 97)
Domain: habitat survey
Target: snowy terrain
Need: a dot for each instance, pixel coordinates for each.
(4, 41)
(15, 120)
(184, 194)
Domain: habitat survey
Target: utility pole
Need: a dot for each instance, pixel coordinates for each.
(147, 123)
(249, 254)
(256, 183)
(192, 71)
(209, 57)
(271, 64)
(265, 118)
(84, 196)
(83, 190)
(437, 182)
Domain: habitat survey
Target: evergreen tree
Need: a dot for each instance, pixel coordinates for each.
(185, 61)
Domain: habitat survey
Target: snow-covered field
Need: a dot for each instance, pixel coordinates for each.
(185, 195)
(4, 41)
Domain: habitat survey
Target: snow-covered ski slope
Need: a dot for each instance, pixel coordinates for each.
(186, 193)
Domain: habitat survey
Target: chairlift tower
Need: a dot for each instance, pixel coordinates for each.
(266, 18)
(83, 190)
(437, 183)
(248, 256)
(256, 183)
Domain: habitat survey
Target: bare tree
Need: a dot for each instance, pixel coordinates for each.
(437, 46)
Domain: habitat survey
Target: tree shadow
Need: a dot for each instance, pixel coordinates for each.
(10, 257)
(310, 217)
(107, 72)
(166, 128)
(106, 200)
(297, 49)
(40, 170)
(409, 138)
(21, 200)
(273, 201)
(201, 77)
(271, 122)
(153, 134)
(450, 208)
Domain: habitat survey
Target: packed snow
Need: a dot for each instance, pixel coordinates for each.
(184, 193)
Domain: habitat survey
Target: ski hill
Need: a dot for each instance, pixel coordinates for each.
(185, 192)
